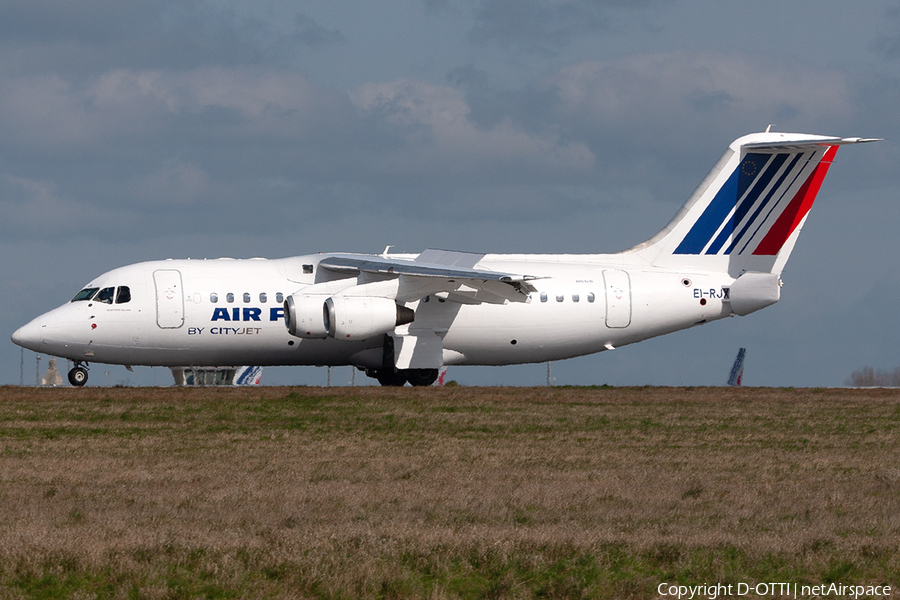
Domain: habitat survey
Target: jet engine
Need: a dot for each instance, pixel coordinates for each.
(362, 317)
(303, 316)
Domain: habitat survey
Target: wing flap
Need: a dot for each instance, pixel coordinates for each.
(435, 271)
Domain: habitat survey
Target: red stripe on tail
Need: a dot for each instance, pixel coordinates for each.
(792, 216)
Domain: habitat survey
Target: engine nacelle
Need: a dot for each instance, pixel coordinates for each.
(362, 317)
(304, 316)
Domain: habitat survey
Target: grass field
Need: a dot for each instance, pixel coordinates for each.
(443, 492)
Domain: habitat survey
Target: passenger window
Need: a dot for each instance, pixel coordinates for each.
(590, 296)
(105, 295)
(307, 269)
(279, 298)
(263, 297)
(543, 296)
(85, 294)
(575, 298)
(123, 296)
(246, 297)
(560, 298)
(229, 297)
(213, 297)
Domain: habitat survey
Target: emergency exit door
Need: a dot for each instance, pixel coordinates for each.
(169, 298)
(618, 299)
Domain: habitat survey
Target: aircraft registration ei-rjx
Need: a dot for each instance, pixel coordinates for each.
(401, 317)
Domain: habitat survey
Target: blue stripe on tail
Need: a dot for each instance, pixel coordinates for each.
(749, 199)
(724, 201)
(781, 158)
(708, 223)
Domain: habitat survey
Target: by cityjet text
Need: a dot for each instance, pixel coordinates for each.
(793, 590)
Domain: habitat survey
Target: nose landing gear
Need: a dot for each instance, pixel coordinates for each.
(78, 375)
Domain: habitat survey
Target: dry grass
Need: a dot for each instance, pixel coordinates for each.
(442, 492)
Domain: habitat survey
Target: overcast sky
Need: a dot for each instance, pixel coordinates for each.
(153, 129)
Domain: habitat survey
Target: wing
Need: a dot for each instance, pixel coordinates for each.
(443, 273)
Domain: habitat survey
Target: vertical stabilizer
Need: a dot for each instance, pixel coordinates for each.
(747, 213)
(737, 370)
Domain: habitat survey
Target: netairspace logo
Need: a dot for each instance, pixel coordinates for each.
(781, 589)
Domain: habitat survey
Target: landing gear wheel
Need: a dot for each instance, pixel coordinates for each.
(421, 377)
(78, 376)
(391, 377)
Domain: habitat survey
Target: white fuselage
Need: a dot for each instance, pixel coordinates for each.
(230, 312)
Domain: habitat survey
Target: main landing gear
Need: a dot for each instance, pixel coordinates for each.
(398, 377)
(390, 376)
(78, 375)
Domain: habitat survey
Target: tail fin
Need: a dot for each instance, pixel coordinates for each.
(747, 213)
(737, 369)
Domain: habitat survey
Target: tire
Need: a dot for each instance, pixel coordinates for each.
(391, 377)
(421, 377)
(78, 376)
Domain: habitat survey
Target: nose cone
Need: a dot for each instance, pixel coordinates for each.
(29, 336)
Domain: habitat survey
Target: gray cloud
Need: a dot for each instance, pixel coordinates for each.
(647, 118)
(887, 40)
(310, 33)
(204, 140)
(99, 35)
(544, 25)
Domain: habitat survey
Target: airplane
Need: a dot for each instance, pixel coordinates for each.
(402, 317)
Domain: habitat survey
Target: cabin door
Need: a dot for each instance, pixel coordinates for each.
(169, 298)
(618, 299)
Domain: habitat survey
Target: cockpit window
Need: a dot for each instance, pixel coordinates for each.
(105, 295)
(85, 294)
(123, 295)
